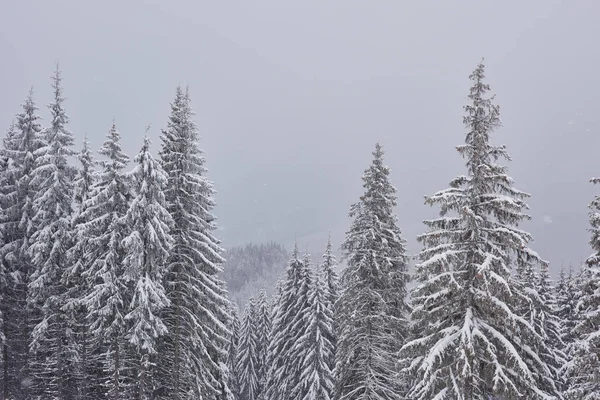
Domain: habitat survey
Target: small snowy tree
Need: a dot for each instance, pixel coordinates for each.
(316, 369)
(329, 276)
(583, 371)
(473, 341)
(109, 290)
(263, 336)
(53, 343)
(566, 305)
(193, 355)
(147, 247)
(290, 323)
(232, 354)
(248, 363)
(372, 313)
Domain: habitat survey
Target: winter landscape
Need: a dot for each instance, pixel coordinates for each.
(424, 282)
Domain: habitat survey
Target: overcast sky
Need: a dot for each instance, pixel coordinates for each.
(292, 96)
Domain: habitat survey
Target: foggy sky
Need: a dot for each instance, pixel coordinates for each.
(292, 96)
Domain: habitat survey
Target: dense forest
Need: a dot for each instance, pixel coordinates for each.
(112, 282)
(253, 267)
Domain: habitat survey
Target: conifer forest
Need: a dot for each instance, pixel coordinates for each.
(111, 281)
(130, 275)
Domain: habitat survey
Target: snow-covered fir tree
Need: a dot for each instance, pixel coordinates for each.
(316, 372)
(372, 313)
(329, 276)
(87, 365)
(194, 354)
(550, 327)
(7, 186)
(248, 363)
(473, 342)
(566, 305)
(104, 229)
(263, 336)
(53, 344)
(290, 323)
(18, 193)
(147, 249)
(583, 371)
(232, 354)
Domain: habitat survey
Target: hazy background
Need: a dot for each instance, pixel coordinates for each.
(291, 96)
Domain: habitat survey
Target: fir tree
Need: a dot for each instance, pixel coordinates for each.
(329, 279)
(194, 353)
(147, 246)
(583, 371)
(372, 313)
(263, 336)
(232, 355)
(104, 230)
(87, 365)
(52, 340)
(473, 341)
(550, 328)
(290, 323)
(566, 304)
(316, 372)
(18, 192)
(329, 276)
(248, 363)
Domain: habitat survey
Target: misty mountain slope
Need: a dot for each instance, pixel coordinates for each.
(252, 267)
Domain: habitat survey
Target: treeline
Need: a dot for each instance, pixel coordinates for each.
(484, 320)
(108, 278)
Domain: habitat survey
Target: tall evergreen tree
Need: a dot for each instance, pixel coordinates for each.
(20, 147)
(147, 246)
(372, 312)
(474, 343)
(104, 229)
(195, 351)
(583, 371)
(52, 339)
(248, 363)
(87, 365)
(289, 325)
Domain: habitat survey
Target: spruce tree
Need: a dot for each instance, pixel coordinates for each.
(104, 229)
(372, 312)
(566, 305)
(18, 192)
(232, 354)
(147, 249)
(193, 355)
(263, 336)
(316, 372)
(474, 343)
(87, 365)
(329, 275)
(329, 278)
(290, 323)
(52, 339)
(583, 371)
(248, 363)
